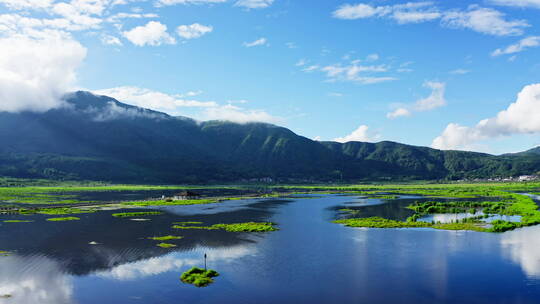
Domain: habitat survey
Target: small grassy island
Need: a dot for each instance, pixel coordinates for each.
(166, 245)
(165, 238)
(62, 219)
(235, 227)
(199, 277)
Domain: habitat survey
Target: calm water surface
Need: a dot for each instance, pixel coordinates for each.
(309, 260)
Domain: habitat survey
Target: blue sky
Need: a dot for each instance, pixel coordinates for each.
(422, 73)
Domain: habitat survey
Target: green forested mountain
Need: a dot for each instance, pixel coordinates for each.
(99, 138)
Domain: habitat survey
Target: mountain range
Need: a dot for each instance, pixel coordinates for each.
(99, 138)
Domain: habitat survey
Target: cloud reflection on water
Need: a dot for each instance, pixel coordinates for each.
(35, 279)
(523, 247)
(174, 262)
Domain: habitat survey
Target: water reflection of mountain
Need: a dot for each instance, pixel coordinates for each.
(122, 240)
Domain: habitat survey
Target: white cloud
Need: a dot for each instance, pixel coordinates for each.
(372, 57)
(117, 17)
(25, 4)
(237, 114)
(402, 13)
(434, 100)
(355, 72)
(521, 117)
(36, 71)
(154, 100)
(258, 42)
(291, 45)
(484, 20)
(362, 133)
(525, 43)
(400, 112)
(111, 40)
(517, 3)
(459, 72)
(194, 30)
(251, 4)
(174, 2)
(153, 33)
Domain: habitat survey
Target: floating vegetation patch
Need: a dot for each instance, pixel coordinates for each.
(194, 227)
(171, 202)
(63, 211)
(62, 219)
(188, 223)
(235, 227)
(351, 211)
(134, 214)
(247, 227)
(199, 277)
(165, 238)
(4, 253)
(18, 221)
(166, 245)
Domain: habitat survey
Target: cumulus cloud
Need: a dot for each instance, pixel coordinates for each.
(523, 44)
(399, 112)
(521, 117)
(36, 71)
(154, 100)
(362, 133)
(154, 33)
(434, 100)
(258, 42)
(194, 30)
(250, 4)
(483, 20)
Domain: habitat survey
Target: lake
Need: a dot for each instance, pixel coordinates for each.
(309, 260)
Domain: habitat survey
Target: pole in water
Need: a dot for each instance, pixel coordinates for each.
(205, 262)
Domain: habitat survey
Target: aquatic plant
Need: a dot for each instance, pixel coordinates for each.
(235, 227)
(61, 219)
(199, 277)
(18, 221)
(247, 227)
(166, 245)
(4, 253)
(379, 222)
(134, 214)
(171, 203)
(165, 238)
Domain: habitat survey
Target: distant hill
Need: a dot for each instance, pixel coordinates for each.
(98, 138)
